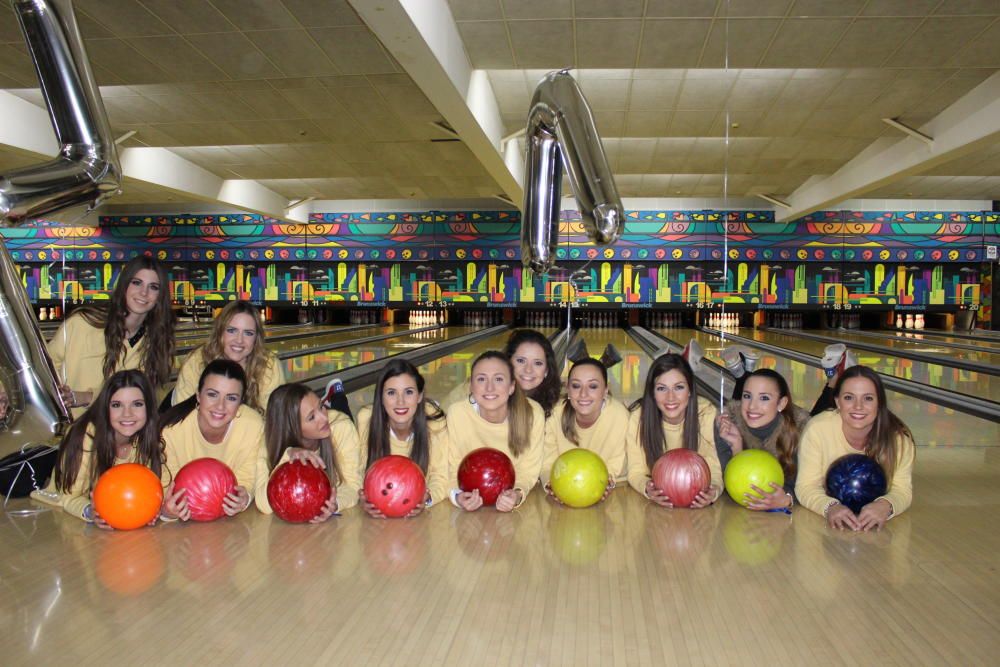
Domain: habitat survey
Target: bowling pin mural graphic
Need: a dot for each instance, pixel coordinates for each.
(86, 171)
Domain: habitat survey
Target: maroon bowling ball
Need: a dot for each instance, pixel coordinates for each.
(488, 470)
(395, 485)
(297, 491)
(208, 481)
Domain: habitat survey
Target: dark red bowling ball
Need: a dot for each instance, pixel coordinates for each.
(488, 470)
(395, 485)
(208, 481)
(298, 491)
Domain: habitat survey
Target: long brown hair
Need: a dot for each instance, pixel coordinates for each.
(158, 354)
(97, 421)
(519, 417)
(651, 422)
(547, 393)
(887, 428)
(283, 429)
(787, 442)
(378, 429)
(568, 423)
(258, 361)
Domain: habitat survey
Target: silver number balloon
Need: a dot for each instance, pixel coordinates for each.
(561, 134)
(87, 169)
(85, 172)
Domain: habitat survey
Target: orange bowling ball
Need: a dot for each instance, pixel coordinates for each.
(128, 496)
(130, 564)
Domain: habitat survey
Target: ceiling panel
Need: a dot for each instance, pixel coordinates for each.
(302, 96)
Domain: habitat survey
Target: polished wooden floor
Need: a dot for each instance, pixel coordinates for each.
(624, 583)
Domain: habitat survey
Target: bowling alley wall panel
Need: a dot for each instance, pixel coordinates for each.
(909, 258)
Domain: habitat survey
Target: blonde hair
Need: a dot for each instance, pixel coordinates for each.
(519, 415)
(258, 361)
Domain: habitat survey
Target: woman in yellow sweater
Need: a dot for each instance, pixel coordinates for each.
(763, 417)
(589, 418)
(237, 335)
(118, 427)
(535, 369)
(298, 428)
(213, 423)
(670, 416)
(862, 423)
(136, 331)
(401, 422)
(500, 416)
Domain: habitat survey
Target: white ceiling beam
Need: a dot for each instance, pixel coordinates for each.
(26, 127)
(423, 37)
(969, 123)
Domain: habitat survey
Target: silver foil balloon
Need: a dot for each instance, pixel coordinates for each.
(87, 169)
(34, 412)
(85, 172)
(561, 134)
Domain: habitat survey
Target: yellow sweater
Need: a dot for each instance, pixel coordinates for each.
(606, 437)
(194, 364)
(823, 442)
(639, 472)
(437, 464)
(468, 431)
(239, 450)
(344, 438)
(77, 351)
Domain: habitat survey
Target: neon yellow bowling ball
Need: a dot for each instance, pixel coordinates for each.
(752, 467)
(579, 478)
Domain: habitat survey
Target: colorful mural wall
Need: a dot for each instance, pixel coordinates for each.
(830, 259)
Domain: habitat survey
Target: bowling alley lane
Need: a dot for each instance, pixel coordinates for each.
(931, 341)
(932, 425)
(322, 335)
(930, 338)
(936, 375)
(331, 335)
(982, 355)
(302, 368)
(626, 379)
(201, 334)
(444, 375)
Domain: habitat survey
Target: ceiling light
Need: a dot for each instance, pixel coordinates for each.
(298, 202)
(445, 127)
(906, 129)
(774, 200)
(125, 137)
(513, 135)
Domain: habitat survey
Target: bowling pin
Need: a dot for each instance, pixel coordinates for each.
(909, 321)
(899, 321)
(919, 322)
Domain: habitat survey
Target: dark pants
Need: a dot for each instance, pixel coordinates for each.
(339, 402)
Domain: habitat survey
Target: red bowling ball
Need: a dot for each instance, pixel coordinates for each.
(208, 481)
(488, 470)
(681, 474)
(395, 485)
(298, 491)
